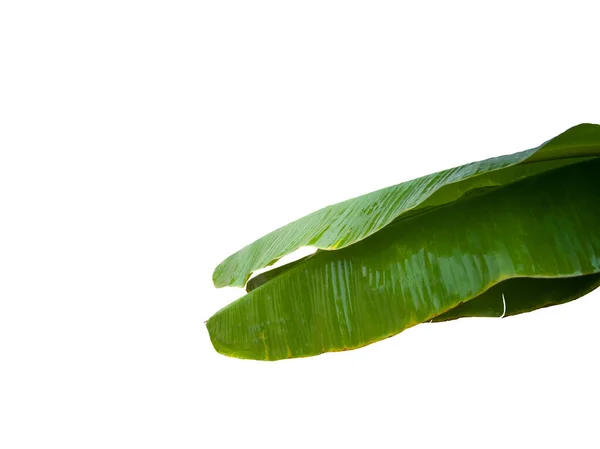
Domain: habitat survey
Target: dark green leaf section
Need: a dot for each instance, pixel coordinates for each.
(467, 189)
(523, 295)
(414, 270)
(348, 222)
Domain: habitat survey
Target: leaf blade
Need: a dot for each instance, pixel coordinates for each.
(346, 223)
(415, 269)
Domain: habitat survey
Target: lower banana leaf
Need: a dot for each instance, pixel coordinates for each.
(509, 250)
(520, 295)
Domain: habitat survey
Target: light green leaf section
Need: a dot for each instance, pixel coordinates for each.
(419, 268)
(348, 222)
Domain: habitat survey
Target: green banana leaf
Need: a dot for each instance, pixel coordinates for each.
(348, 222)
(522, 294)
(512, 242)
(491, 239)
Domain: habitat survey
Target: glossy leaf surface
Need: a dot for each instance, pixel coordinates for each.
(416, 269)
(348, 222)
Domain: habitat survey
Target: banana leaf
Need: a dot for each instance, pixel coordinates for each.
(350, 221)
(500, 242)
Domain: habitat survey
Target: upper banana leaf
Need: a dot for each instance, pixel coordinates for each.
(351, 221)
(532, 243)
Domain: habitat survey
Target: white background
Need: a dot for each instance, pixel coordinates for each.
(143, 142)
